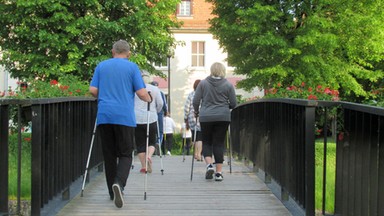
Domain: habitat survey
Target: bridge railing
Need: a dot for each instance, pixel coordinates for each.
(278, 136)
(360, 161)
(62, 129)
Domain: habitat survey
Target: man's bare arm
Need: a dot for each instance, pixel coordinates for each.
(94, 91)
(143, 95)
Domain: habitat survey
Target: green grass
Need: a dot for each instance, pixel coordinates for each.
(177, 144)
(330, 176)
(25, 192)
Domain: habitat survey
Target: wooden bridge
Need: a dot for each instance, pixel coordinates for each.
(173, 193)
(276, 137)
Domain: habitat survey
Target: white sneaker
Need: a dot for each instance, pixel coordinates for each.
(117, 195)
(169, 153)
(219, 177)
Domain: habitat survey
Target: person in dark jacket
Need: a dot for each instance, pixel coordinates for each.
(213, 100)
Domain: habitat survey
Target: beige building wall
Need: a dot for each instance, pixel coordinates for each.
(182, 74)
(6, 81)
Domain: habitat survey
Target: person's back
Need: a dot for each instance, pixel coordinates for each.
(144, 123)
(192, 123)
(141, 107)
(160, 117)
(114, 76)
(213, 100)
(114, 84)
(169, 129)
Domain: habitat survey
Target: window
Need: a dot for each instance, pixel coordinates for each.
(198, 53)
(184, 8)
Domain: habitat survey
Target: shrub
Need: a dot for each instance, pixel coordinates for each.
(302, 92)
(66, 86)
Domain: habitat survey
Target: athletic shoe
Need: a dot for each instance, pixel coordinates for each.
(118, 196)
(219, 177)
(169, 153)
(209, 172)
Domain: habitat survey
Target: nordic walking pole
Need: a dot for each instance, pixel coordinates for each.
(133, 159)
(146, 151)
(89, 157)
(194, 146)
(161, 154)
(184, 140)
(230, 148)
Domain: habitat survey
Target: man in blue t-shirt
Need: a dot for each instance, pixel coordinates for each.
(114, 84)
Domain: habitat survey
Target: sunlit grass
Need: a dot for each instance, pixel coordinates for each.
(25, 191)
(330, 176)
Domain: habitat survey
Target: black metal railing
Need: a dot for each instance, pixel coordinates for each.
(360, 161)
(61, 134)
(278, 136)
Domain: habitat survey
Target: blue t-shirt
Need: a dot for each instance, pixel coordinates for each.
(117, 80)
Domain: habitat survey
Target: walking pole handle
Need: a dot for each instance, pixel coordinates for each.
(149, 103)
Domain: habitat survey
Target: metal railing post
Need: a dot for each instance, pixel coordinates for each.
(4, 118)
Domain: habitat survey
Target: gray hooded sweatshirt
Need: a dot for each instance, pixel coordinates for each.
(214, 98)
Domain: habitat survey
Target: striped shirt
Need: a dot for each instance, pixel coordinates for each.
(189, 112)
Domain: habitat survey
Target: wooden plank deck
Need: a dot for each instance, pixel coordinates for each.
(241, 193)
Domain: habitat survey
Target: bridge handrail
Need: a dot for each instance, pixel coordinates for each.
(61, 136)
(278, 136)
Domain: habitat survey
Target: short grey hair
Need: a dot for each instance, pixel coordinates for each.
(121, 46)
(218, 70)
(146, 76)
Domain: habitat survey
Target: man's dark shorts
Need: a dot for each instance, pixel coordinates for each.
(141, 136)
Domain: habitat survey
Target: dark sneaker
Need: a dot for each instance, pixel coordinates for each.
(118, 195)
(209, 172)
(219, 177)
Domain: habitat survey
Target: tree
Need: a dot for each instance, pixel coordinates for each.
(49, 38)
(334, 43)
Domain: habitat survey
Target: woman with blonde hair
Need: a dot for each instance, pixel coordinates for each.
(213, 100)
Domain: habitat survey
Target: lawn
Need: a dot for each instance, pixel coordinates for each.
(330, 176)
(25, 167)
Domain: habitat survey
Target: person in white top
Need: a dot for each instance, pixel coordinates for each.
(169, 129)
(141, 111)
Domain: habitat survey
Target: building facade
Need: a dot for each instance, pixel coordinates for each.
(192, 60)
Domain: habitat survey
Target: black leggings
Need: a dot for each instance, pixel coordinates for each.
(168, 141)
(213, 139)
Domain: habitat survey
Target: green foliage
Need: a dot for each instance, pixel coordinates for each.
(326, 43)
(47, 39)
(302, 91)
(177, 144)
(66, 86)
